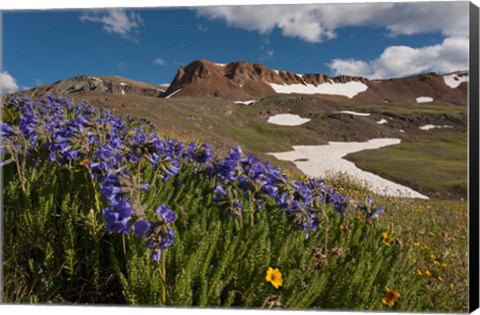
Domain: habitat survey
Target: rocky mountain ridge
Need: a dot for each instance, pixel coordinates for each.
(244, 81)
(241, 80)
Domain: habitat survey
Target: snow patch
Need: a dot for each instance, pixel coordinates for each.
(353, 113)
(428, 127)
(123, 87)
(401, 130)
(349, 89)
(245, 102)
(324, 160)
(424, 99)
(382, 121)
(287, 120)
(172, 94)
(453, 80)
(221, 64)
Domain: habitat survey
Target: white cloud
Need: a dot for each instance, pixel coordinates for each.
(159, 62)
(399, 61)
(318, 22)
(8, 84)
(350, 67)
(116, 20)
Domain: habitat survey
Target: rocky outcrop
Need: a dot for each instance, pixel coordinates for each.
(95, 84)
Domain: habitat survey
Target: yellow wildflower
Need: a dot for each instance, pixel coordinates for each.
(444, 265)
(451, 286)
(432, 257)
(390, 297)
(428, 273)
(386, 239)
(274, 276)
(440, 278)
(416, 244)
(419, 272)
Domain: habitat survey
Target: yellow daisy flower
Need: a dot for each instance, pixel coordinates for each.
(386, 239)
(390, 297)
(274, 276)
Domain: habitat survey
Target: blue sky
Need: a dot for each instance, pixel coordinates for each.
(373, 40)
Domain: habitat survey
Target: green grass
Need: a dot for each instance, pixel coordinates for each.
(435, 164)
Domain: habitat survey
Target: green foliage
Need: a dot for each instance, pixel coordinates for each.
(54, 244)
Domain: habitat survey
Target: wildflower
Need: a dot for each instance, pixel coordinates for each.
(386, 239)
(220, 191)
(432, 257)
(444, 265)
(436, 263)
(390, 297)
(428, 273)
(419, 272)
(167, 214)
(440, 279)
(274, 276)
(451, 286)
(141, 227)
(84, 162)
(416, 244)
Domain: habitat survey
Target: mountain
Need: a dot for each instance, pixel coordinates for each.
(243, 80)
(97, 84)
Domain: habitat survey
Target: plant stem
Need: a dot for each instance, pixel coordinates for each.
(19, 170)
(163, 276)
(326, 233)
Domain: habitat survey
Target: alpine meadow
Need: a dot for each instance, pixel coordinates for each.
(237, 184)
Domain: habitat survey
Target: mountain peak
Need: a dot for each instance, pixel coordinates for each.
(240, 79)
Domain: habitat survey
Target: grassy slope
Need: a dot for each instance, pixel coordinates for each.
(225, 124)
(435, 164)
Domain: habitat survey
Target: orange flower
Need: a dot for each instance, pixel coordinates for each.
(274, 276)
(390, 297)
(84, 162)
